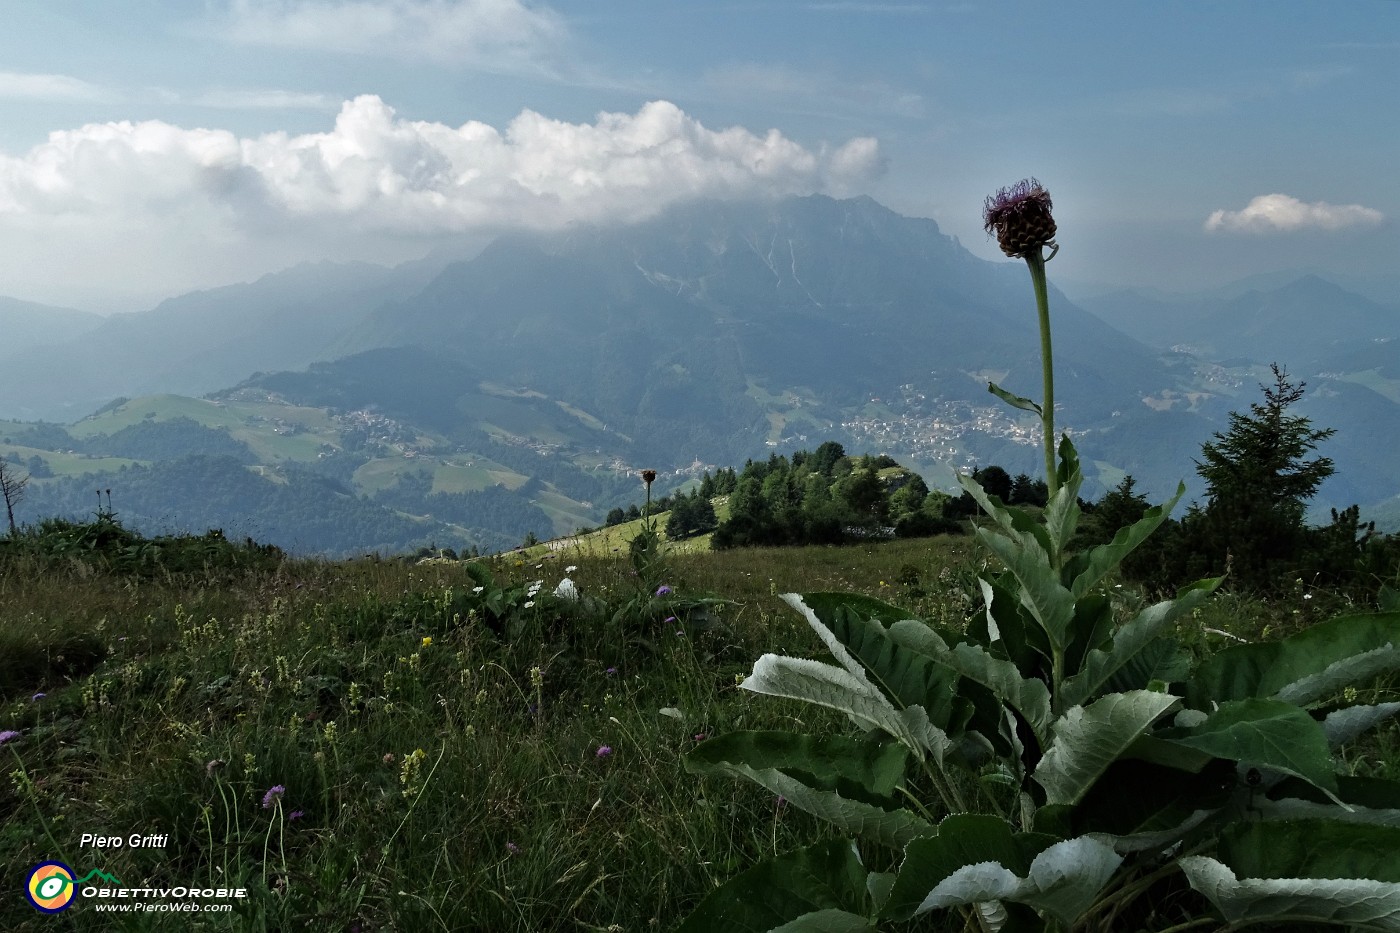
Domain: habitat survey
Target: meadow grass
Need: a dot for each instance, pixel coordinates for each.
(437, 774)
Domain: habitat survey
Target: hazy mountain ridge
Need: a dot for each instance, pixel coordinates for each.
(550, 365)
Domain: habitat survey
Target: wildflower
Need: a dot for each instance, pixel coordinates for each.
(294, 816)
(512, 848)
(663, 590)
(529, 603)
(570, 569)
(603, 751)
(273, 795)
(388, 758)
(700, 736)
(1020, 218)
(478, 589)
(566, 589)
(611, 671)
(648, 476)
(427, 640)
(7, 735)
(37, 697)
(670, 619)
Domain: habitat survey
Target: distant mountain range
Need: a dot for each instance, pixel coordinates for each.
(549, 365)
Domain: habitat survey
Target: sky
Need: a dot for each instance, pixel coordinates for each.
(151, 147)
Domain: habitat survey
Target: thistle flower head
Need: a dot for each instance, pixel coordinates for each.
(603, 751)
(1020, 217)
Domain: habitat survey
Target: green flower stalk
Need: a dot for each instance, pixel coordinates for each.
(1020, 217)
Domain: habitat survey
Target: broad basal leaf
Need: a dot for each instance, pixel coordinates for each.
(1265, 669)
(1266, 734)
(1342, 901)
(868, 768)
(1090, 738)
(826, 880)
(1343, 725)
(906, 677)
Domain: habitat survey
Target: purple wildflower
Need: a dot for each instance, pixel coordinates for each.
(7, 735)
(604, 751)
(700, 736)
(611, 671)
(294, 816)
(512, 848)
(37, 697)
(273, 795)
(663, 590)
(1020, 218)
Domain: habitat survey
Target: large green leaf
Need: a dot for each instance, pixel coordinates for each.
(1263, 733)
(974, 860)
(1031, 698)
(1311, 849)
(1005, 628)
(1376, 904)
(962, 840)
(1262, 670)
(832, 687)
(1041, 592)
(1090, 738)
(906, 677)
(1124, 658)
(1062, 511)
(868, 768)
(1086, 569)
(1343, 725)
(821, 889)
(1092, 629)
(1359, 668)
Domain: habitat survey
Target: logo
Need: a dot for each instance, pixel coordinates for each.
(50, 887)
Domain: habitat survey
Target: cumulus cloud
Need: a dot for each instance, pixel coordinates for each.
(374, 175)
(15, 85)
(487, 34)
(1280, 213)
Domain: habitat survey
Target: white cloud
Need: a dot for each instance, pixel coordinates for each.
(16, 85)
(494, 35)
(1280, 213)
(162, 196)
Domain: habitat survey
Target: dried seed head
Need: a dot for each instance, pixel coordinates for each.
(1020, 218)
(648, 476)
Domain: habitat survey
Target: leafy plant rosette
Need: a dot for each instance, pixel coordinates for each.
(1053, 768)
(1049, 769)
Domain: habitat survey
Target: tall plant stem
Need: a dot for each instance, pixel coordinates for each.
(1036, 261)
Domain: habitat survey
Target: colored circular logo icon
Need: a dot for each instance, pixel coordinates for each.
(50, 887)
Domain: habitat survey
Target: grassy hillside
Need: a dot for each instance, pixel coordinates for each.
(400, 745)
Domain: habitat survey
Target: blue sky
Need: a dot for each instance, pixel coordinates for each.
(1185, 143)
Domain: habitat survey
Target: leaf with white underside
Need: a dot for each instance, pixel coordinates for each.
(1343, 725)
(830, 686)
(1359, 668)
(1090, 738)
(1335, 900)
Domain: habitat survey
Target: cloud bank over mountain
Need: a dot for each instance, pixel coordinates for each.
(145, 188)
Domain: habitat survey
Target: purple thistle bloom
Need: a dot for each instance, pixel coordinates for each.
(604, 751)
(294, 816)
(7, 735)
(273, 795)
(663, 590)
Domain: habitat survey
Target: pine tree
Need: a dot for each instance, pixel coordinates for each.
(1258, 480)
